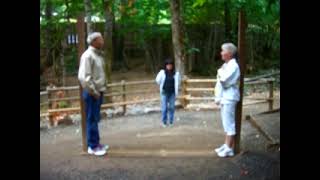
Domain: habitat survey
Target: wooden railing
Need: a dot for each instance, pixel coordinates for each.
(188, 90)
(185, 95)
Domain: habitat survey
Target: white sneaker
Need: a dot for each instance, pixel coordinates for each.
(103, 146)
(97, 151)
(170, 125)
(226, 152)
(163, 125)
(220, 149)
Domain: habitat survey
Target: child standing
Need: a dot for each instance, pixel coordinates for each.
(169, 80)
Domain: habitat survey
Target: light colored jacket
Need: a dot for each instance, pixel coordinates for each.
(91, 71)
(227, 88)
(161, 77)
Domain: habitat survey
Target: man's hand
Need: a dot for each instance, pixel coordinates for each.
(96, 96)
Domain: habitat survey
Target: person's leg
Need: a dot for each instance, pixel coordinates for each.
(172, 100)
(89, 110)
(230, 141)
(229, 122)
(222, 115)
(228, 118)
(95, 129)
(164, 108)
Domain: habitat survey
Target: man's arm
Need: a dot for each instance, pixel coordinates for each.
(85, 76)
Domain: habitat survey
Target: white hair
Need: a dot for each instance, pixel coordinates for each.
(229, 47)
(93, 36)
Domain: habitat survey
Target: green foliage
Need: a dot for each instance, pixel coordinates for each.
(63, 104)
(150, 19)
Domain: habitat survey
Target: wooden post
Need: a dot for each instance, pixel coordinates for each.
(50, 107)
(270, 95)
(124, 95)
(184, 92)
(81, 48)
(242, 63)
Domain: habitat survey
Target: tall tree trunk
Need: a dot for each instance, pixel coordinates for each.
(191, 57)
(120, 38)
(177, 36)
(87, 7)
(214, 49)
(108, 36)
(159, 52)
(48, 10)
(227, 20)
(148, 65)
(63, 47)
(208, 49)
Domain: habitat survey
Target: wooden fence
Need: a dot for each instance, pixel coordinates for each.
(188, 88)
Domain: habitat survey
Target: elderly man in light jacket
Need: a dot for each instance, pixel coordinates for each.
(92, 78)
(227, 95)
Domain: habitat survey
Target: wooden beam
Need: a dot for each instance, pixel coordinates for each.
(199, 89)
(70, 88)
(124, 96)
(201, 80)
(200, 98)
(81, 49)
(259, 128)
(255, 102)
(241, 51)
(270, 95)
(258, 82)
(262, 76)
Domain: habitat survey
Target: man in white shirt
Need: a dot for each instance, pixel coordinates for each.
(92, 78)
(227, 96)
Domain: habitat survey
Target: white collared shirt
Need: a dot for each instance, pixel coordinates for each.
(228, 78)
(91, 71)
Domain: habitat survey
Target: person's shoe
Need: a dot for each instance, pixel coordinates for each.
(104, 146)
(220, 149)
(96, 151)
(163, 125)
(226, 152)
(171, 125)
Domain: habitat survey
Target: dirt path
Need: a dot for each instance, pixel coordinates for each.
(181, 152)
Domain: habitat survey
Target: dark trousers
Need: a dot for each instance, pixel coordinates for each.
(92, 109)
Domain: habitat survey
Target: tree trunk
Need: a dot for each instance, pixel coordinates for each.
(191, 59)
(108, 36)
(159, 51)
(214, 49)
(120, 44)
(208, 49)
(63, 47)
(177, 36)
(48, 10)
(148, 64)
(227, 20)
(87, 7)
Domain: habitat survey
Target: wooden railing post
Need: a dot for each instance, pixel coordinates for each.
(124, 95)
(50, 106)
(241, 50)
(270, 95)
(185, 101)
(81, 49)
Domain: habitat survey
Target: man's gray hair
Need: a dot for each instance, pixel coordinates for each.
(93, 36)
(229, 47)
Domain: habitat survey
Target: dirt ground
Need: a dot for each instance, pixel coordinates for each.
(141, 149)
